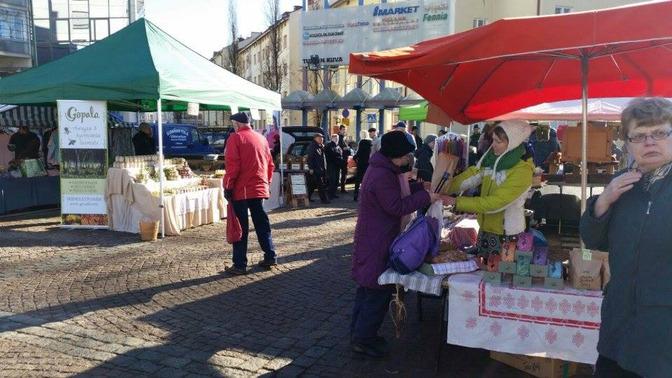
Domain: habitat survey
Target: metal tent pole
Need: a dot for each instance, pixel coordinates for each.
(584, 131)
(159, 128)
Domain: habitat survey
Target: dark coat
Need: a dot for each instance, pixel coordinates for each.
(316, 160)
(334, 156)
(362, 157)
(26, 146)
(345, 149)
(423, 163)
(379, 222)
(636, 329)
(143, 144)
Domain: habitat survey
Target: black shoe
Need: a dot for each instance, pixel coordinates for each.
(267, 264)
(368, 350)
(235, 271)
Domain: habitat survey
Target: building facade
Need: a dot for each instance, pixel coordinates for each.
(64, 26)
(16, 48)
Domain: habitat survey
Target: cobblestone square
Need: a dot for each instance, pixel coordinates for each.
(100, 303)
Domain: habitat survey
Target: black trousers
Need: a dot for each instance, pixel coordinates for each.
(333, 173)
(368, 313)
(608, 368)
(344, 176)
(317, 182)
(358, 178)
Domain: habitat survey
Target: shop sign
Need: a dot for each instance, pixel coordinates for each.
(82, 133)
(333, 34)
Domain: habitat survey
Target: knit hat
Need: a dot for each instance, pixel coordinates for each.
(395, 145)
(240, 117)
(430, 138)
(517, 131)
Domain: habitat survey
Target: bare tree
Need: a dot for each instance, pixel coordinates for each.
(233, 50)
(271, 67)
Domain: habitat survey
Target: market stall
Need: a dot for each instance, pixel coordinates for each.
(140, 69)
(132, 190)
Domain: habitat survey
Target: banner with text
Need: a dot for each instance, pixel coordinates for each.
(82, 134)
(332, 34)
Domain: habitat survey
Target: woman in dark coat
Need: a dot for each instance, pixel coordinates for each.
(631, 220)
(362, 159)
(381, 208)
(423, 160)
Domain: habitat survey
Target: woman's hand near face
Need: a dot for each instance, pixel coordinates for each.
(614, 190)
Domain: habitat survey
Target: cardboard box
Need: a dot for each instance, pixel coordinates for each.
(492, 277)
(537, 366)
(538, 270)
(507, 267)
(554, 283)
(522, 281)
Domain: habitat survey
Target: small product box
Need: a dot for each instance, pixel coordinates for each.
(523, 260)
(492, 277)
(507, 267)
(554, 283)
(522, 281)
(538, 270)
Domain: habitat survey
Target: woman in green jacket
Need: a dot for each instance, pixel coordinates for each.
(504, 175)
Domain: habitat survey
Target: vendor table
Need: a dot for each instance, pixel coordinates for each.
(537, 322)
(594, 180)
(24, 193)
(128, 203)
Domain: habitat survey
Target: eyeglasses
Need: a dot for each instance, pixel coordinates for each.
(656, 135)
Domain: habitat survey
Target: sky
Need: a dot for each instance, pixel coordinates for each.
(203, 24)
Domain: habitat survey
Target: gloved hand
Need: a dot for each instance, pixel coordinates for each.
(228, 194)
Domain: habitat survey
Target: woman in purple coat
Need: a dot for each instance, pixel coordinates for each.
(381, 208)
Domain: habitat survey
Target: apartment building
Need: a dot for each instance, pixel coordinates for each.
(16, 48)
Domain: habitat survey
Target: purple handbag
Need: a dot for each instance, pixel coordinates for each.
(409, 249)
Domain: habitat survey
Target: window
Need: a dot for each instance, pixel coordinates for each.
(562, 9)
(41, 9)
(100, 29)
(99, 8)
(13, 24)
(60, 7)
(62, 31)
(119, 8)
(284, 41)
(79, 9)
(478, 22)
(79, 30)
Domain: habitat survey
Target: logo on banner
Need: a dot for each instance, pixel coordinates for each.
(378, 11)
(73, 114)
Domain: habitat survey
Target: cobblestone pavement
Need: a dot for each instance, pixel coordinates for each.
(100, 303)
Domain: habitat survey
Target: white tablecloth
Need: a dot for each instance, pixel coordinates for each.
(537, 322)
(128, 203)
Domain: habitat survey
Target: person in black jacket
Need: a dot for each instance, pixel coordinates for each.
(317, 168)
(362, 158)
(346, 151)
(143, 143)
(335, 164)
(424, 158)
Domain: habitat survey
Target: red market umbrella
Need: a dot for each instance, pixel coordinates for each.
(515, 63)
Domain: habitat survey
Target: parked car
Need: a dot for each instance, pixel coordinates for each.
(303, 136)
(183, 140)
(217, 136)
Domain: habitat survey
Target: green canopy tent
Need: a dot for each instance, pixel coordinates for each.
(139, 68)
(417, 112)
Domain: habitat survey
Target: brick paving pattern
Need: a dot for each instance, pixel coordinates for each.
(101, 303)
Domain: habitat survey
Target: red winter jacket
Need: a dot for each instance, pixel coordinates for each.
(249, 166)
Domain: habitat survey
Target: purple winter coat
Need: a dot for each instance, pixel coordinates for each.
(378, 224)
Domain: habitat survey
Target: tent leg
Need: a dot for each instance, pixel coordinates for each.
(584, 131)
(282, 171)
(358, 123)
(159, 128)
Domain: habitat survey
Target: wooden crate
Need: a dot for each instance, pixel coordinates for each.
(537, 366)
(599, 144)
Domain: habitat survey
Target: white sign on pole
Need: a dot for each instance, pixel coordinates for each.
(192, 108)
(333, 34)
(82, 133)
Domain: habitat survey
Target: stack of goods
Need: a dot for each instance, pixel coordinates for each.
(185, 171)
(187, 189)
(449, 159)
(142, 162)
(523, 259)
(171, 173)
(589, 269)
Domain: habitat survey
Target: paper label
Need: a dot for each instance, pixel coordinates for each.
(587, 254)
